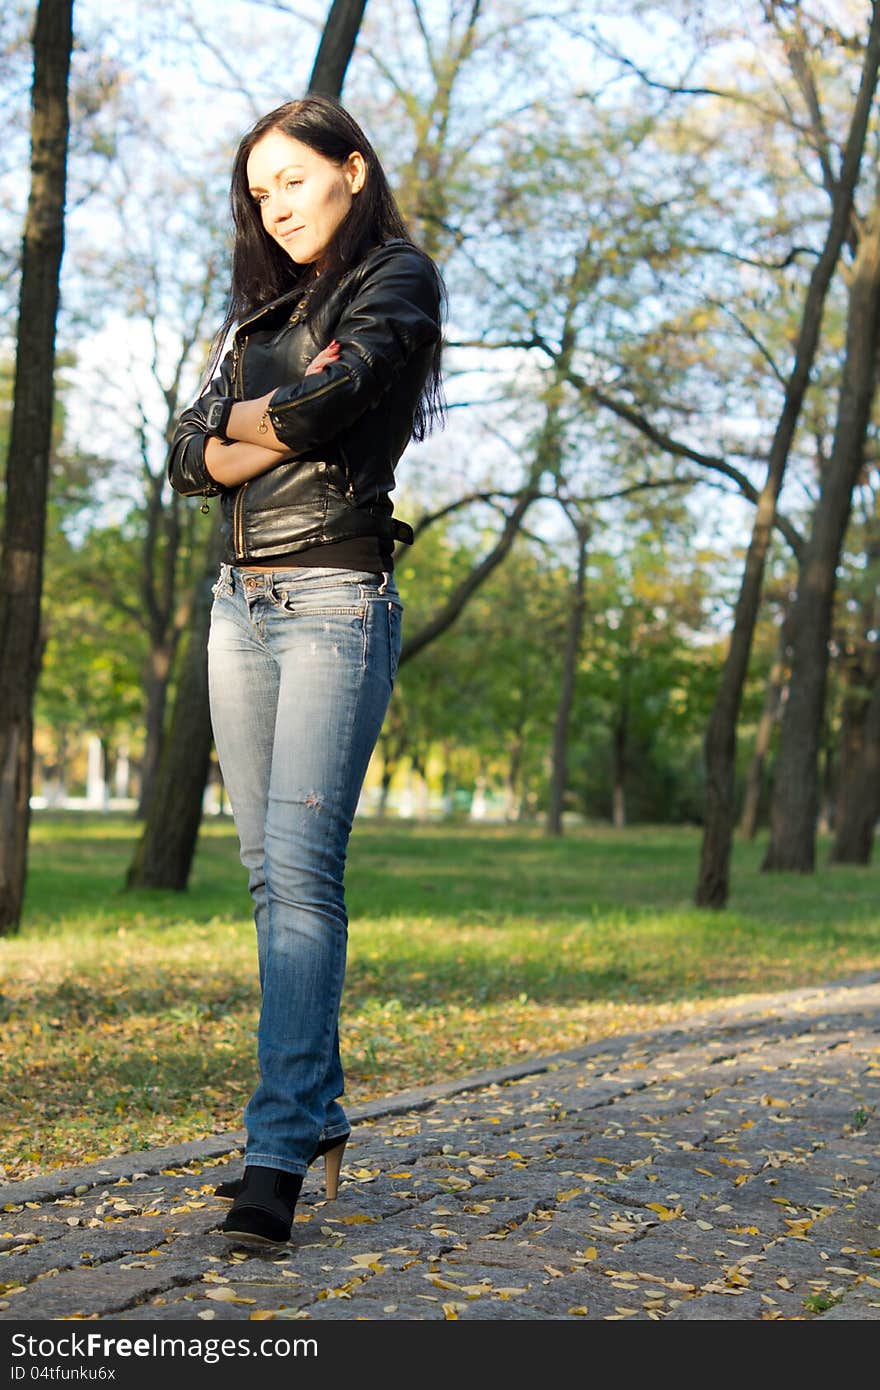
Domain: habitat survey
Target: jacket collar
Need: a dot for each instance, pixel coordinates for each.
(268, 308)
(304, 294)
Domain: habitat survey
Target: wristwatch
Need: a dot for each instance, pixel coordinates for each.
(217, 416)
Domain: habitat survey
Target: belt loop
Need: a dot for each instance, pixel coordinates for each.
(386, 575)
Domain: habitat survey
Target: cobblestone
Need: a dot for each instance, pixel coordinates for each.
(725, 1169)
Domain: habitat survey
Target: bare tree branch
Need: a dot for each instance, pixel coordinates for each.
(752, 337)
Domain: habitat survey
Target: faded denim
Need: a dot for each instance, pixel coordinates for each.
(301, 666)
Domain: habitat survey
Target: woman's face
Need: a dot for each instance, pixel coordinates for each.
(302, 196)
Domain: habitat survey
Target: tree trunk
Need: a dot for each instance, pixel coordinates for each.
(618, 787)
(773, 699)
(384, 790)
(573, 637)
(513, 799)
(27, 475)
(164, 854)
(336, 47)
(825, 823)
(720, 745)
(795, 802)
(448, 784)
(858, 789)
(156, 691)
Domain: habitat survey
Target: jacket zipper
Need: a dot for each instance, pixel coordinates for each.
(313, 395)
(238, 394)
(349, 485)
(238, 382)
(238, 521)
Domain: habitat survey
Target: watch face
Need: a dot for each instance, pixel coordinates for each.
(215, 414)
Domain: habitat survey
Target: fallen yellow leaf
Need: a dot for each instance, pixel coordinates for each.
(227, 1295)
(665, 1213)
(368, 1260)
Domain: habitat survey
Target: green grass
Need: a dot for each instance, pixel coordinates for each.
(129, 1018)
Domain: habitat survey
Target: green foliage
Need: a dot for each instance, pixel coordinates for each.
(646, 681)
(491, 680)
(821, 1302)
(91, 676)
(486, 692)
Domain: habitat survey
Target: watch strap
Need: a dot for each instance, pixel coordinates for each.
(217, 418)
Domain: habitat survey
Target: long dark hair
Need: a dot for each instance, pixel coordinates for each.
(261, 271)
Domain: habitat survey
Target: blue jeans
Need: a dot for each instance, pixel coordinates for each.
(301, 666)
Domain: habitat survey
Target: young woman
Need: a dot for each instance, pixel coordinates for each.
(334, 366)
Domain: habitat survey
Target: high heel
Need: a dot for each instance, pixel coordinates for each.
(262, 1213)
(332, 1151)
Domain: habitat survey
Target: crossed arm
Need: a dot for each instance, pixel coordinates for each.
(256, 446)
(395, 312)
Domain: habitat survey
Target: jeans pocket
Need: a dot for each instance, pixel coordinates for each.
(320, 602)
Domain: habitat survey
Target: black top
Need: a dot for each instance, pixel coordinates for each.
(357, 553)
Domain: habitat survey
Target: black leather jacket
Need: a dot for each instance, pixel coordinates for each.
(347, 425)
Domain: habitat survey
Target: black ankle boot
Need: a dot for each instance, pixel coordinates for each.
(331, 1150)
(262, 1213)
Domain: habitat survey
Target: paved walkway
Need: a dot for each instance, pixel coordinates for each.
(726, 1168)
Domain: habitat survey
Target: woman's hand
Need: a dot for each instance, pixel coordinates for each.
(324, 358)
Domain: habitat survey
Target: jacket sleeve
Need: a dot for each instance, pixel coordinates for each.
(186, 469)
(394, 311)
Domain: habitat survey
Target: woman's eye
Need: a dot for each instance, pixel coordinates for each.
(292, 183)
